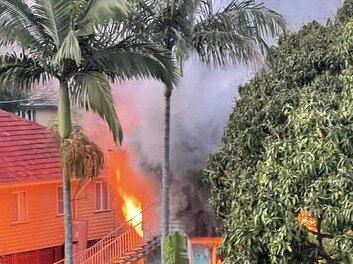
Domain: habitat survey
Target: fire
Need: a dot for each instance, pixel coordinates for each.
(133, 187)
(132, 210)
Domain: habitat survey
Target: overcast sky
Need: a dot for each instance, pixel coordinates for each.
(298, 12)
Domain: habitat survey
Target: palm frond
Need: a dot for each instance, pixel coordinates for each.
(147, 6)
(110, 34)
(205, 8)
(187, 6)
(19, 25)
(182, 47)
(20, 73)
(235, 34)
(132, 59)
(69, 49)
(267, 22)
(102, 11)
(54, 18)
(221, 48)
(142, 15)
(91, 91)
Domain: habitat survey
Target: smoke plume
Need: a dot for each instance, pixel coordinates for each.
(200, 108)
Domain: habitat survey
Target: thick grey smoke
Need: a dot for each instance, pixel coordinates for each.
(200, 109)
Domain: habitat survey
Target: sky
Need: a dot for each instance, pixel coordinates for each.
(298, 12)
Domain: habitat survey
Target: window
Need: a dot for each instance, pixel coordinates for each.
(19, 206)
(60, 201)
(102, 196)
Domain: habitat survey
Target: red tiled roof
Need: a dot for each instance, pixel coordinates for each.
(28, 152)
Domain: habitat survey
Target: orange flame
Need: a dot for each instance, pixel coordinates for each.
(131, 208)
(135, 189)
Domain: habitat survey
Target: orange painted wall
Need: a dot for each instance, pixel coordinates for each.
(99, 223)
(44, 227)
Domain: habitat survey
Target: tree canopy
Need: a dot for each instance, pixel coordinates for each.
(282, 180)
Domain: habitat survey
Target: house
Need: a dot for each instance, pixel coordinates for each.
(40, 106)
(31, 207)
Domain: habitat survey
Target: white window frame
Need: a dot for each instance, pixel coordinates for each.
(20, 218)
(59, 190)
(100, 206)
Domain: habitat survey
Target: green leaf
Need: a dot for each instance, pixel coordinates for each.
(102, 11)
(19, 25)
(91, 91)
(54, 16)
(235, 34)
(70, 49)
(20, 74)
(131, 59)
(288, 145)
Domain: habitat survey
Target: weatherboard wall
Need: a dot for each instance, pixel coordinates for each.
(43, 228)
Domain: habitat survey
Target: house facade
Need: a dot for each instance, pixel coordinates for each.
(31, 200)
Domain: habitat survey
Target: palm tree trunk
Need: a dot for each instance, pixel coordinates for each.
(67, 217)
(64, 116)
(165, 172)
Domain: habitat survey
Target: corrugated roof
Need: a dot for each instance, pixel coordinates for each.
(28, 152)
(42, 96)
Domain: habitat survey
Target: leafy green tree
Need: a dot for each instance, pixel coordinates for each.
(69, 40)
(282, 180)
(233, 34)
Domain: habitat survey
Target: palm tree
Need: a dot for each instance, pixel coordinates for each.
(232, 34)
(68, 40)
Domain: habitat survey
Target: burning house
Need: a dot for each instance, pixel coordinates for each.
(135, 170)
(116, 216)
(31, 218)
